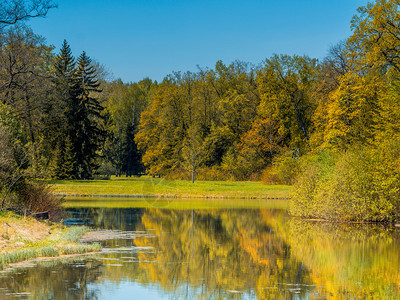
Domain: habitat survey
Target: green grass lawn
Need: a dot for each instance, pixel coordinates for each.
(148, 186)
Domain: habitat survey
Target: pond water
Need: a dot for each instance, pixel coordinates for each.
(215, 252)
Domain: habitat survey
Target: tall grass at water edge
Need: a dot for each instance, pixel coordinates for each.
(64, 242)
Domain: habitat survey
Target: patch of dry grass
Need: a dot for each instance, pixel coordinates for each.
(24, 238)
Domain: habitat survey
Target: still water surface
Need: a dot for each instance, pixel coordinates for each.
(217, 253)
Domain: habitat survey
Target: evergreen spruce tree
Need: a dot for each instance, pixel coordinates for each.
(62, 166)
(64, 84)
(57, 162)
(65, 64)
(68, 160)
(87, 132)
(131, 158)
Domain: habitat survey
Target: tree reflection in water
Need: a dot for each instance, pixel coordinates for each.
(361, 260)
(239, 253)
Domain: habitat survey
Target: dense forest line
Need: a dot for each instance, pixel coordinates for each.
(332, 125)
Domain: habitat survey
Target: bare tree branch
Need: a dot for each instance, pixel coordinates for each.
(13, 11)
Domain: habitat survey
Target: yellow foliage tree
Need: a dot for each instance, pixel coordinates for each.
(348, 114)
(376, 35)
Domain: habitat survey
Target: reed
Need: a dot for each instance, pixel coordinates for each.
(79, 248)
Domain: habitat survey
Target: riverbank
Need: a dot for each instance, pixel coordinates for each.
(146, 186)
(24, 238)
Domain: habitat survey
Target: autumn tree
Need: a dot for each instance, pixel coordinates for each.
(376, 34)
(236, 98)
(221, 117)
(352, 111)
(376, 44)
(194, 128)
(286, 84)
(160, 131)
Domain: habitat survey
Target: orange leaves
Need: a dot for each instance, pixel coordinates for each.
(266, 136)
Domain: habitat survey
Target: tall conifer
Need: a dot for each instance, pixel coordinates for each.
(87, 126)
(64, 82)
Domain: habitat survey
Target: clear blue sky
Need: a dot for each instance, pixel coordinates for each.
(151, 38)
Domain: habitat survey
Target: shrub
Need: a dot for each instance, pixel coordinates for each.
(13, 161)
(38, 197)
(358, 185)
(178, 174)
(270, 176)
(285, 169)
(212, 173)
(238, 167)
(105, 170)
(202, 173)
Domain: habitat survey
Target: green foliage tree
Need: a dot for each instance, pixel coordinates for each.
(13, 157)
(124, 104)
(25, 65)
(285, 87)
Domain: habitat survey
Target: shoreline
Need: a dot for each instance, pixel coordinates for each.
(168, 196)
(90, 237)
(30, 263)
(26, 239)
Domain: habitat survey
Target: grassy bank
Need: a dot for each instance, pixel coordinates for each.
(174, 203)
(147, 186)
(24, 239)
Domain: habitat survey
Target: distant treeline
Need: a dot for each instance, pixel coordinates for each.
(235, 121)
